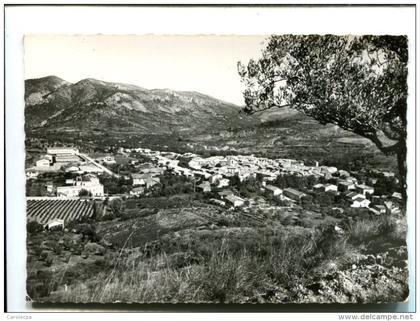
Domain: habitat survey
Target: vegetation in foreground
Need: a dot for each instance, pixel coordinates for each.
(202, 253)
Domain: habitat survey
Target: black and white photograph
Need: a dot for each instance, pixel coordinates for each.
(230, 161)
(216, 168)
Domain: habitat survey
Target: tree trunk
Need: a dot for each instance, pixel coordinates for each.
(402, 168)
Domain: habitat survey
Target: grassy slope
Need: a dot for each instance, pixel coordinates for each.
(204, 254)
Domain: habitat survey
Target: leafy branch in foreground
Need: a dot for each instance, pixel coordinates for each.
(358, 83)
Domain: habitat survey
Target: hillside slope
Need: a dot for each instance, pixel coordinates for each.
(53, 103)
(98, 114)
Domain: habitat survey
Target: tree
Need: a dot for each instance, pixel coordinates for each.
(34, 227)
(358, 83)
(84, 192)
(117, 207)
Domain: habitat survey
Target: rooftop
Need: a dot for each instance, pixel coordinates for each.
(272, 188)
(359, 199)
(294, 191)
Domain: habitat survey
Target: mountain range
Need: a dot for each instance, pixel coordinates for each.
(53, 103)
(99, 113)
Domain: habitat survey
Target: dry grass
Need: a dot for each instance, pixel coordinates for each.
(235, 264)
(383, 228)
(282, 260)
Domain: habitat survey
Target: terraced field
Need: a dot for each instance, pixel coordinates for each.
(44, 210)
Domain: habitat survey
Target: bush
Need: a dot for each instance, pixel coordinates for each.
(84, 192)
(37, 251)
(88, 231)
(48, 261)
(43, 256)
(117, 207)
(34, 227)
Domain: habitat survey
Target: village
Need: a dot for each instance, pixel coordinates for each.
(277, 183)
(264, 170)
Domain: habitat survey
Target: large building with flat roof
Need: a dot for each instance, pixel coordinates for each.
(62, 150)
(88, 182)
(293, 194)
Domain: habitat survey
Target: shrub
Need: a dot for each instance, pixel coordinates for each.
(85, 192)
(37, 251)
(48, 261)
(43, 256)
(88, 231)
(34, 227)
(386, 225)
(117, 207)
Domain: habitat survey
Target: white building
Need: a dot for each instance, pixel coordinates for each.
(140, 179)
(380, 208)
(31, 174)
(109, 160)
(43, 163)
(50, 187)
(397, 196)
(388, 174)
(205, 187)
(364, 189)
(195, 163)
(215, 178)
(172, 163)
(328, 169)
(354, 195)
(234, 200)
(293, 194)
(90, 168)
(223, 183)
(62, 150)
(57, 224)
(344, 186)
(331, 187)
(72, 169)
(319, 187)
(67, 158)
(273, 190)
(201, 174)
(137, 191)
(343, 173)
(89, 183)
(69, 181)
(360, 202)
(73, 191)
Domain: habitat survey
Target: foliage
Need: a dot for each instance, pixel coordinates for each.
(84, 192)
(171, 184)
(385, 186)
(34, 227)
(88, 231)
(295, 181)
(115, 185)
(246, 187)
(117, 207)
(34, 188)
(358, 83)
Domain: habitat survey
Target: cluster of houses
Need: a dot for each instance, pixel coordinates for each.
(216, 172)
(69, 159)
(146, 178)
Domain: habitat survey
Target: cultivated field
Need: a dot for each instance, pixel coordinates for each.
(45, 210)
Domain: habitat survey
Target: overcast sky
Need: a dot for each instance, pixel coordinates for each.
(206, 64)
